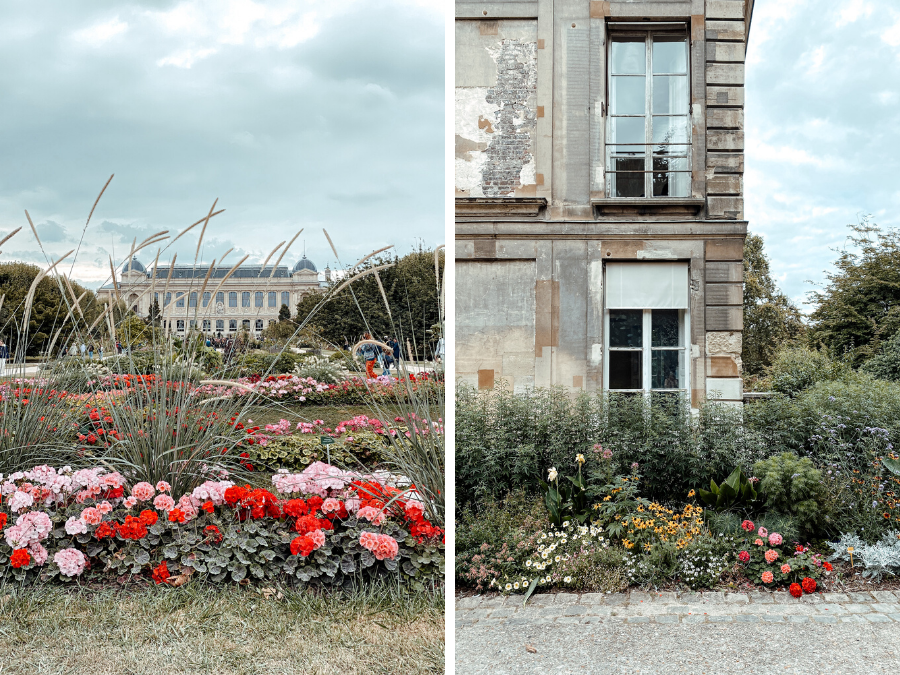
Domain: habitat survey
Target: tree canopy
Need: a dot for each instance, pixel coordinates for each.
(770, 318)
(859, 308)
(411, 291)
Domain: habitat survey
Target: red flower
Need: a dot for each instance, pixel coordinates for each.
(235, 494)
(748, 526)
(132, 528)
(744, 556)
(315, 503)
(293, 507)
(795, 590)
(2, 520)
(208, 506)
(306, 524)
(105, 530)
(827, 565)
(303, 545)
(808, 585)
(176, 516)
(161, 573)
(19, 558)
(148, 517)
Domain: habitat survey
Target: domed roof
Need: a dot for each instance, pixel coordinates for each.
(305, 264)
(134, 266)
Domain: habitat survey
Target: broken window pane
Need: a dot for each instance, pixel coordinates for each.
(669, 55)
(625, 370)
(628, 57)
(668, 130)
(629, 95)
(670, 95)
(626, 328)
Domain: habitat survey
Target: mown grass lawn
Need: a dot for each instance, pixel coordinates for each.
(230, 630)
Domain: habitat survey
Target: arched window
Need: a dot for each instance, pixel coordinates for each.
(232, 324)
(192, 301)
(168, 299)
(259, 324)
(273, 299)
(232, 299)
(179, 299)
(206, 297)
(220, 297)
(220, 325)
(206, 324)
(245, 299)
(286, 298)
(259, 299)
(180, 325)
(245, 324)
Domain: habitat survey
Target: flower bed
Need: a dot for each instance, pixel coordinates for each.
(323, 526)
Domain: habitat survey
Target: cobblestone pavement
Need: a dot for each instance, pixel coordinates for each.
(637, 632)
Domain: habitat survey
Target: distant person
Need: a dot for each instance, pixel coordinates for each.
(83, 349)
(91, 351)
(370, 354)
(118, 347)
(439, 351)
(4, 354)
(395, 346)
(388, 362)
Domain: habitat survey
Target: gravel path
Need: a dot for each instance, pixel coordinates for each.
(636, 632)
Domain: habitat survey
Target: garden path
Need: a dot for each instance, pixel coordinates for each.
(637, 632)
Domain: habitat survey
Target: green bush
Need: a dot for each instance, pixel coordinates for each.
(321, 370)
(795, 369)
(793, 486)
(886, 365)
(258, 362)
(296, 452)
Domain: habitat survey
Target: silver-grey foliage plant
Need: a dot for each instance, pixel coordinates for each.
(876, 559)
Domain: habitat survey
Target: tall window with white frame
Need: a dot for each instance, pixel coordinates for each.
(647, 323)
(648, 134)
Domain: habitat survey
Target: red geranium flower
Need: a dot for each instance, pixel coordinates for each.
(105, 530)
(2, 520)
(148, 517)
(827, 565)
(235, 494)
(743, 556)
(315, 503)
(808, 585)
(19, 558)
(303, 545)
(213, 533)
(748, 526)
(176, 516)
(294, 508)
(161, 573)
(208, 506)
(795, 590)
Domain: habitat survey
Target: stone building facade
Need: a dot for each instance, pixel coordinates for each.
(599, 194)
(248, 300)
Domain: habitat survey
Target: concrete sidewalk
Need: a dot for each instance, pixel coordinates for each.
(636, 632)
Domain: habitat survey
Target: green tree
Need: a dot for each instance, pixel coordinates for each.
(154, 317)
(284, 314)
(411, 291)
(859, 308)
(770, 318)
(50, 310)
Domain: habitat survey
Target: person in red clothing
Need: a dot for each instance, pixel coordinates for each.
(370, 354)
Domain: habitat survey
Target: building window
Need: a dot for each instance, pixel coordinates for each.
(192, 300)
(259, 324)
(258, 300)
(220, 325)
(272, 322)
(220, 297)
(180, 325)
(245, 324)
(206, 325)
(648, 148)
(286, 298)
(193, 324)
(245, 299)
(168, 299)
(232, 324)
(647, 321)
(273, 299)
(232, 299)
(206, 296)
(179, 299)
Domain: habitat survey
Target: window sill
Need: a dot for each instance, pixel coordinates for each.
(642, 206)
(529, 207)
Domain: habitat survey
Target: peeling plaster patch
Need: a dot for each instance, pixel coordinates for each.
(509, 161)
(596, 354)
(472, 137)
(658, 254)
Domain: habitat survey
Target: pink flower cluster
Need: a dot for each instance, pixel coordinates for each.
(370, 513)
(45, 485)
(30, 528)
(71, 562)
(316, 479)
(384, 546)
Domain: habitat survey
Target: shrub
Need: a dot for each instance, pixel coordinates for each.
(259, 362)
(296, 452)
(877, 559)
(703, 561)
(793, 486)
(795, 369)
(321, 370)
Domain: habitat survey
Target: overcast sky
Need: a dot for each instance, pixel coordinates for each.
(293, 113)
(823, 128)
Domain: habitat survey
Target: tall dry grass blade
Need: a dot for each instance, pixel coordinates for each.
(29, 298)
(211, 304)
(33, 228)
(202, 220)
(203, 231)
(230, 272)
(55, 337)
(331, 243)
(72, 293)
(112, 271)
(2, 298)
(362, 260)
(147, 241)
(270, 255)
(359, 276)
(10, 236)
(100, 317)
(97, 201)
(384, 297)
(290, 243)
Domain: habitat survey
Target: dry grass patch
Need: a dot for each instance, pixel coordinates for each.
(227, 631)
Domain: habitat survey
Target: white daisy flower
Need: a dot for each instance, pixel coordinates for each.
(516, 585)
(509, 587)
(567, 579)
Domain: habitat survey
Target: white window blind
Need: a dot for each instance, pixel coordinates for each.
(647, 286)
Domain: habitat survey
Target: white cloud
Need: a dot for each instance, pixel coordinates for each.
(100, 33)
(185, 58)
(787, 154)
(853, 11)
(892, 35)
